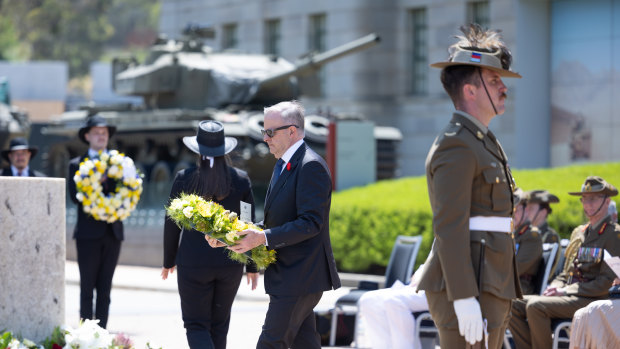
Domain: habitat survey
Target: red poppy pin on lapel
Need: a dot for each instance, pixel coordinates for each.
(288, 166)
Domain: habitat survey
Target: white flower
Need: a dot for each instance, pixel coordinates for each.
(88, 336)
(113, 171)
(188, 211)
(77, 178)
(176, 205)
(80, 197)
(231, 236)
(129, 169)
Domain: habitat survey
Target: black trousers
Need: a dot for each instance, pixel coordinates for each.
(207, 295)
(290, 323)
(97, 259)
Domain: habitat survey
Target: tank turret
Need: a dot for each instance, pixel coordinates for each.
(14, 122)
(186, 73)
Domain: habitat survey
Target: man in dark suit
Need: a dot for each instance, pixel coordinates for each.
(98, 243)
(19, 155)
(297, 228)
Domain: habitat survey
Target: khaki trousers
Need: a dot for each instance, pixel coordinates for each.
(530, 324)
(495, 310)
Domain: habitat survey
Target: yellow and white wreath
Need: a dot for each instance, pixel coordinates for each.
(115, 205)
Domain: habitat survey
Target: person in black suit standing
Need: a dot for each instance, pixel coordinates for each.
(297, 228)
(207, 279)
(19, 155)
(98, 243)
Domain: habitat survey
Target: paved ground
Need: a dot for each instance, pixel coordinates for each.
(148, 309)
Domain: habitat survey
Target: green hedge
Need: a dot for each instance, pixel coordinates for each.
(365, 221)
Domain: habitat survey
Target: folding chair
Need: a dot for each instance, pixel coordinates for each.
(544, 270)
(561, 332)
(400, 267)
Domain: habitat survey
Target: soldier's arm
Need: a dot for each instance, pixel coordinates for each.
(530, 252)
(452, 170)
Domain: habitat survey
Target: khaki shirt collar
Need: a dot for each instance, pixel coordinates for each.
(475, 121)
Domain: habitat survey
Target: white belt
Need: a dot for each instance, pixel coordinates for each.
(498, 224)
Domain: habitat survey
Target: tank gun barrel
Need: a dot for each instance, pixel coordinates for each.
(314, 62)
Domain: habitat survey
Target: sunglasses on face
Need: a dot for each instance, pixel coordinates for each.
(272, 131)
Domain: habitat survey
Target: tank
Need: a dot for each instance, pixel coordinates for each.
(14, 122)
(184, 81)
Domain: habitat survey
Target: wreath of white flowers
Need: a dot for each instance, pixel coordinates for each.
(115, 205)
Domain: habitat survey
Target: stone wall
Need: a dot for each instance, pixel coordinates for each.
(32, 255)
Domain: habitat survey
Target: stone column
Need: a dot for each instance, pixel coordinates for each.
(32, 255)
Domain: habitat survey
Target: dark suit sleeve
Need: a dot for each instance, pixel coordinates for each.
(71, 189)
(313, 197)
(248, 197)
(172, 233)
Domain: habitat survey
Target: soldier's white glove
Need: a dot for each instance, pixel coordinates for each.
(470, 319)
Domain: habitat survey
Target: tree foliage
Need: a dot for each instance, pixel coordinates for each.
(75, 31)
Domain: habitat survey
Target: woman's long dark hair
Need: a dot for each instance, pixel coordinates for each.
(212, 183)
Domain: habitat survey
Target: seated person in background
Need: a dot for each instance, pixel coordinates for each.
(597, 326)
(387, 317)
(613, 211)
(538, 210)
(585, 277)
(528, 243)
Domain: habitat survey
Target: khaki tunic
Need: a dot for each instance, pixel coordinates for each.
(467, 175)
(549, 235)
(529, 255)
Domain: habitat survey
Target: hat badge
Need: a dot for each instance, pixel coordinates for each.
(587, 187)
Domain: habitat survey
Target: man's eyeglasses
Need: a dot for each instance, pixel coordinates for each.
(272, 131)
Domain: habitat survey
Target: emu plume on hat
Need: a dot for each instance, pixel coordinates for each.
(481, 48)
(541, 197)
(596, 185)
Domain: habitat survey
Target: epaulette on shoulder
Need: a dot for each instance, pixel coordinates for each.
(453, 129)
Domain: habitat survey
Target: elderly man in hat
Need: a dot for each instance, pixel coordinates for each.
(528, 243)
(19, 155)
(585, 278)
(98, 243)
(470, 276)
(538, 209)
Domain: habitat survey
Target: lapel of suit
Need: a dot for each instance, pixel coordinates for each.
(286, 173)
(7, 172)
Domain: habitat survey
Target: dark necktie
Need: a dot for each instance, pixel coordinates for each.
(277, 169)
(20, 174)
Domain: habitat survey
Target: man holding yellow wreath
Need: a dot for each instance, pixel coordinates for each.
(98, 243)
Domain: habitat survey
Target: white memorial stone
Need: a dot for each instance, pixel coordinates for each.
(32, 255)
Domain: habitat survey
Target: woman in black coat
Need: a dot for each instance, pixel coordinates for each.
(208, 280)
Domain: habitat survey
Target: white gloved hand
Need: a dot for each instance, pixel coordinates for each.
(470, 319)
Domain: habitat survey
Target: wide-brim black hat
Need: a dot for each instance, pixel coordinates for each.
(19, 143)
(210, 140)
(95, 121)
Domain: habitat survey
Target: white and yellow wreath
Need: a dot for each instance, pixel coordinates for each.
(114, 205)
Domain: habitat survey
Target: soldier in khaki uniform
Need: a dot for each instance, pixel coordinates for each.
(470, 189)
(527, 243)
(585, 277)
(538, 207)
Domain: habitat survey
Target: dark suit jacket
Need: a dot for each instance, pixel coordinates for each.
(87, 227)
(31, 173)
(297, 222)
(194, 251)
